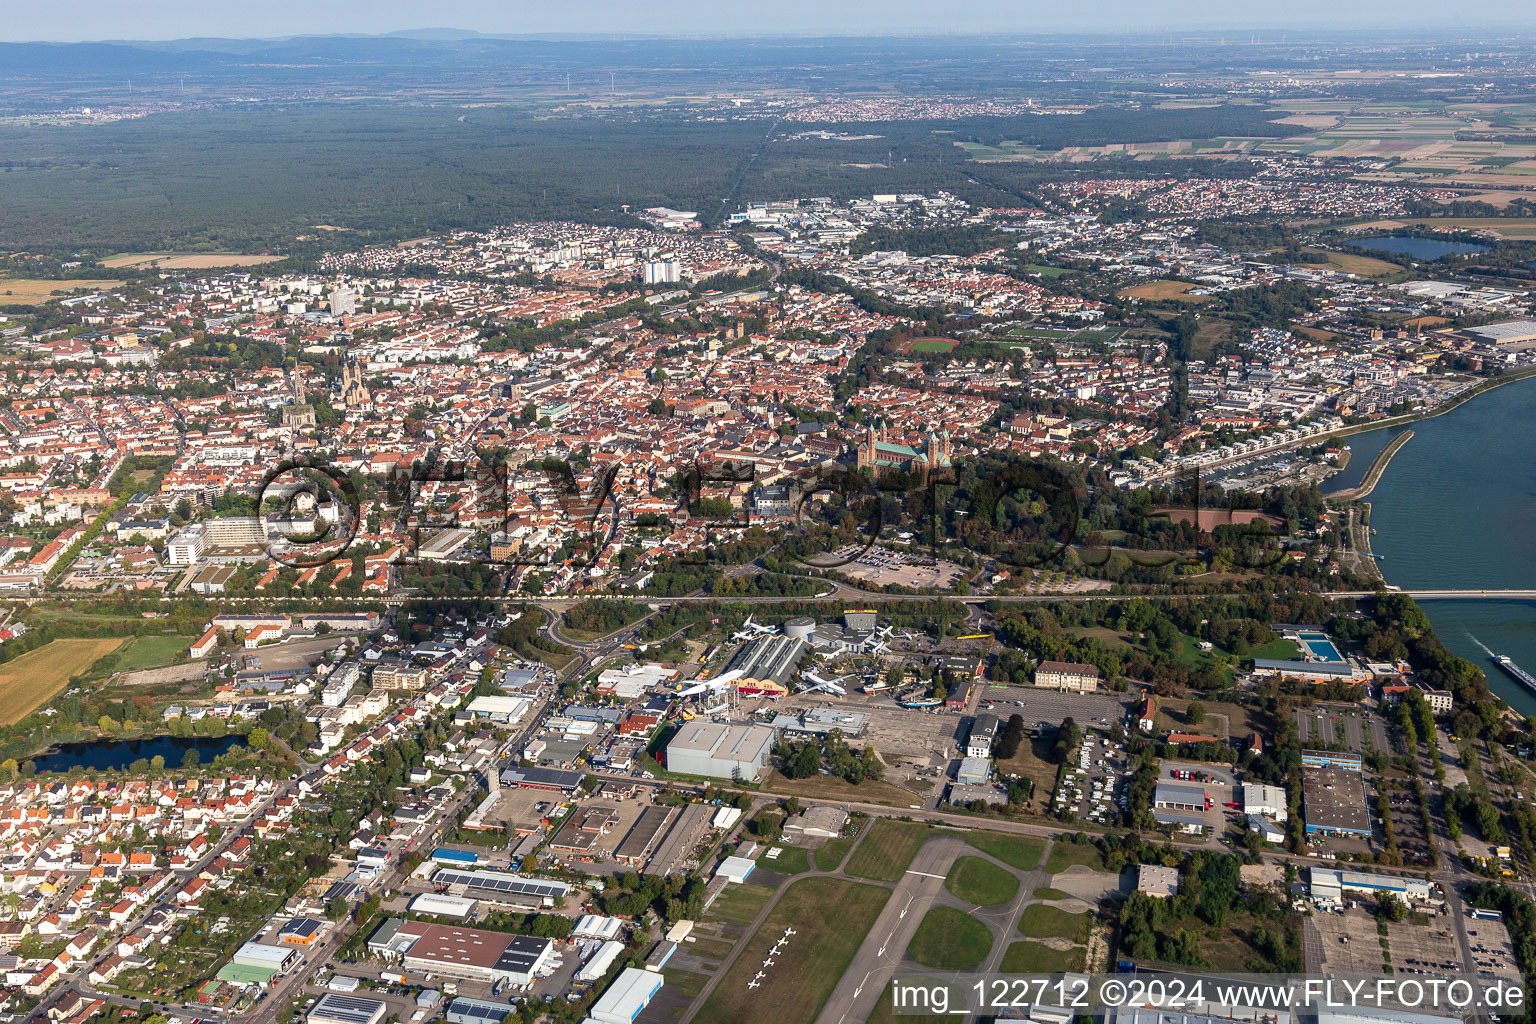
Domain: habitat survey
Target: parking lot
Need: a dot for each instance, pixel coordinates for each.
(1088, 710)
(1492, 949)
(882, 567)
(1357, 730)
(1430, 949)
(1342, 942)
(1094, 784)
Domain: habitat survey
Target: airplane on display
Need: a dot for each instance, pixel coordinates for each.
(880, 647)
(719, 682)
(829, 685)
(885, 633)
(750, 630)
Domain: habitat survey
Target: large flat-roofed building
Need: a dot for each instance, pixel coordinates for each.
(1333, 802)
(720, 751)
(503, 887)
(1343, 760)
(1181, 797)
(266, 956)
(1515, 335)
(820, 722)
(973, 771)
(472, 954)
(1066, 675)
(1266, 800)
(463, 1010)
(553, 779)
(335, 1008)
(1308, 671)
(768, 663)
(1157, 880)
(630, 993)
(644, 835)
(1328, 885)
(500, 708)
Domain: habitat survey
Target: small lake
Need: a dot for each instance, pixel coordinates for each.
(111, 755)
(1420, 248)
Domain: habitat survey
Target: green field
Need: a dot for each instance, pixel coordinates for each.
(830, 916)
(1279, 648)
(1065, 855)
(1040, 921)
(1022, 852)
(887, 850)
(931, 345)
(981, 882)
(950, 940)
(143, 652)
(792, 860)
(1027, 957)
(739, 904)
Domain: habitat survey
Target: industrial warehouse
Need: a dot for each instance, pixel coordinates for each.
(469, 954)
(1333, 794)
(720, 751)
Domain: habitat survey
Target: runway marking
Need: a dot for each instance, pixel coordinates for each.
(925, 874)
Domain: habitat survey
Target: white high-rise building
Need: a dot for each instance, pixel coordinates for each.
(661, 272)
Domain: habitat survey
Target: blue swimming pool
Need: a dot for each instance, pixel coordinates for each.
(1320, 646)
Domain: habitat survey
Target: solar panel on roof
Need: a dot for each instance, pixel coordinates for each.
(500, 882)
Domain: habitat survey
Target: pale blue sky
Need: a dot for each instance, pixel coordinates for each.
(174, 19)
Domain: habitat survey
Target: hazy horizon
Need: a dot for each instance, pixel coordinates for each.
(168, 20)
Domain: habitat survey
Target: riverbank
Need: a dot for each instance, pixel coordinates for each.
(1373, 472)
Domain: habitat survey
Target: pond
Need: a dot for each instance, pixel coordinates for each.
(1420, 248)
(110, 755)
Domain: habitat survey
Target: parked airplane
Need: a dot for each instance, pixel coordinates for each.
(760, 975)
(880, 648)
(789, 931)
(829, 685)
(752, 984)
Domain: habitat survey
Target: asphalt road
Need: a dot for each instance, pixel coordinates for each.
(884, 948)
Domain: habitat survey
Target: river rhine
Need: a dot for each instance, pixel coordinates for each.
(1456, 508)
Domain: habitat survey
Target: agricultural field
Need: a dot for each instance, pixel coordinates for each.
(27, 291)
(30, 680)
(831, 917)
(187, 261)
(887, 850)
(1350, 263)
(1165, 291)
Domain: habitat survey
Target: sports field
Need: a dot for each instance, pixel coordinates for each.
(30, 680)
(830, 917)
(932, 344)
